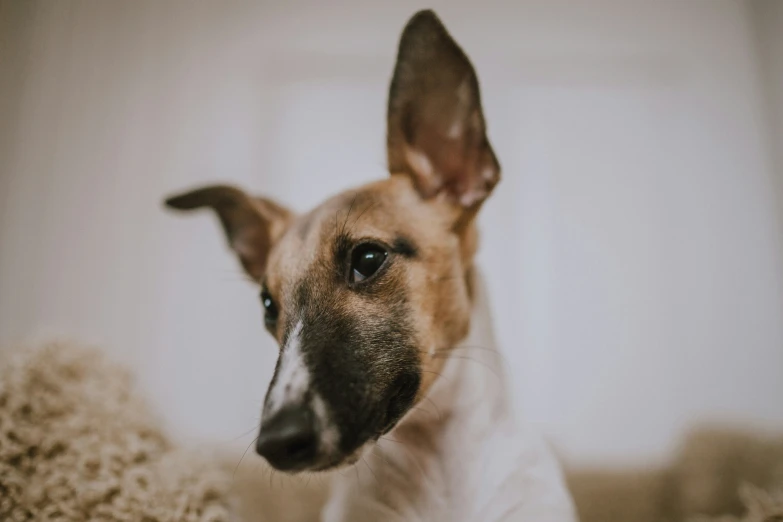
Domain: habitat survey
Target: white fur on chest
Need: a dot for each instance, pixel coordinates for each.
(463, 457)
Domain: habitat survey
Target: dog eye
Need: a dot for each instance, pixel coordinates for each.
(366, 260)
(270, 308)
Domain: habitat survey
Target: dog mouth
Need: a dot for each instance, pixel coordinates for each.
(342, 461)
(404, 391)
(397, 403)
(349, 458)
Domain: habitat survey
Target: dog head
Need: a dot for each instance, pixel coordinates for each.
(366, 292)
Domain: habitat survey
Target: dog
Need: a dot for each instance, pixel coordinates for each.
(382, 319)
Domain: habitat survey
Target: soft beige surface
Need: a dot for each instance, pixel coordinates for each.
(77, 444)
(718, 474)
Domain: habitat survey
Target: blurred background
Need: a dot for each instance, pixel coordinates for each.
(634, 249)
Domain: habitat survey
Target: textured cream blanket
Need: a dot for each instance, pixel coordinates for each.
(77, 444)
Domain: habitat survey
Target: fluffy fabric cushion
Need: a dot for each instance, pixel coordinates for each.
(76, 444)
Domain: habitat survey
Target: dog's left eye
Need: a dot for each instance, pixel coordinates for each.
(270, 308)
(366, 260)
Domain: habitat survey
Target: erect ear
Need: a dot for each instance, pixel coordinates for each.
(436, 130)
(252, 224)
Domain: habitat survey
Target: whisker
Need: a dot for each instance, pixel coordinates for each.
(466, 358)
(392, 440)
(476, 347)
(233, 476)
(371, 205)
(435, 373)
(446, 352)
(428, 412)
(412, 457)
(348, 214)
(440, 415)
(371, 471)
(377, 450)
(248, 432)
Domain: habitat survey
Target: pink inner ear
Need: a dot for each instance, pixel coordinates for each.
(251, 247)
(428, 180)
(453, 157)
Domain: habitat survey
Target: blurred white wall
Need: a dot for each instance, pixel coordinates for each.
(633, 248)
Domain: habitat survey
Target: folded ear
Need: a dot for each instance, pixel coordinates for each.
(436, 130)
(252, 224)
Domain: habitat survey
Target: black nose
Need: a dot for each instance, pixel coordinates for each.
(288, 441)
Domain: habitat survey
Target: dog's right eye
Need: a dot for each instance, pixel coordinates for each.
(366, 260)
(270, 308)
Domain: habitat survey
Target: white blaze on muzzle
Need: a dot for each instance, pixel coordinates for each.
(293, 376)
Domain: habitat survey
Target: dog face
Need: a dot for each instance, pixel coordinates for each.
(368, 291)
